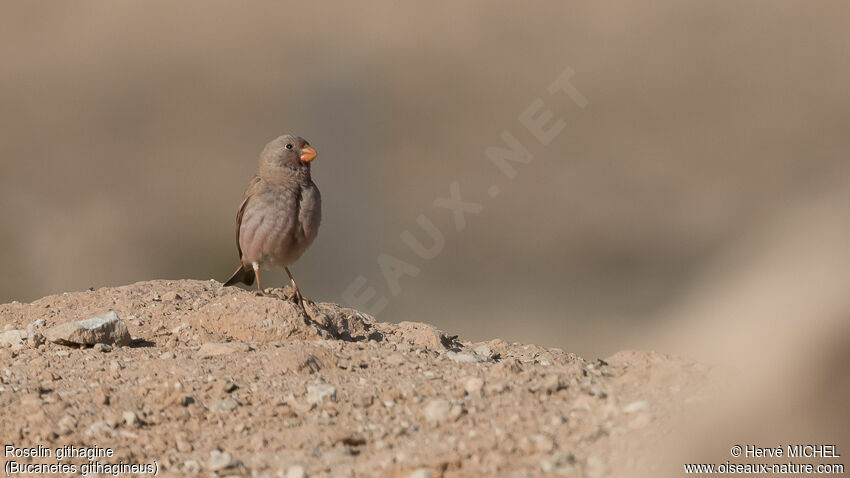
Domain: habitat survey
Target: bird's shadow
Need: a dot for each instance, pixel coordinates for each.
(141, 343)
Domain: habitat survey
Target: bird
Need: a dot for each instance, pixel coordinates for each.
(280, 213)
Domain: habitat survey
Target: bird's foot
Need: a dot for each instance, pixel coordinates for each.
(298, 299)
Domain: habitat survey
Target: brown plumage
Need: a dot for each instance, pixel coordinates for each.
(280, 213)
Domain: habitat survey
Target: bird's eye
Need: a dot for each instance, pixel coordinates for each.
(288, 146)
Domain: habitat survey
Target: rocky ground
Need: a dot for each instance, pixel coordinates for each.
(218, 381)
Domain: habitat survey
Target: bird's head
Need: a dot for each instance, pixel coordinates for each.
(287, 151)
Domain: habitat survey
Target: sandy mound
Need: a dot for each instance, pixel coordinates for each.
(221, 380)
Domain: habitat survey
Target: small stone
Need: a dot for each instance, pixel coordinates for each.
(455, 412)
(105, 328)
(35, 340)
(425, 336)
(183, 446)
(317, 393)
(437, 411)
(473, 386)
(296, 472)
(167, 355)
(191, 467)
(37, 323)
(420, 473)
(130, 418)
(221, 461)
(462, 357)
(543, 443)
(229, 386)
(11, 338)
(364, 401)
(483, 351)
(102, 348)
(636, 406)
(227, 405)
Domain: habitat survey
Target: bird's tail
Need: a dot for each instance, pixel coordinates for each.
(243, 275)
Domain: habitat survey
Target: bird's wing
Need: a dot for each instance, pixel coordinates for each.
(252, 186)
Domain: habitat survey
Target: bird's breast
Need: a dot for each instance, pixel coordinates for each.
(274, 229)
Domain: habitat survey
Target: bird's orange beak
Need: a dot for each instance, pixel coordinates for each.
(307, 154)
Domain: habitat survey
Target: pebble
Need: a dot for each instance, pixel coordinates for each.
(484, 351)
(437, 411)
(35, 339)
(167, 355)
(102, 348)
(462, 357)
(191, 467)
(543, 443)
(420, 473)
(227, 404)
(130, 418)
(11, 338)
(221, 461)
(473, 386)
(318, 393)
(229, 386)
(105, 328)
(636, 406)
(296, 472)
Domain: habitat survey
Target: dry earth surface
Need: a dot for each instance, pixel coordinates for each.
(220, 381)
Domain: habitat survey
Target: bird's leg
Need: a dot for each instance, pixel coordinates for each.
(257, 274)
(297, 294)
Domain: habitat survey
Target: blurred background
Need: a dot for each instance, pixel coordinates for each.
(698, 204)
(129, 130)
